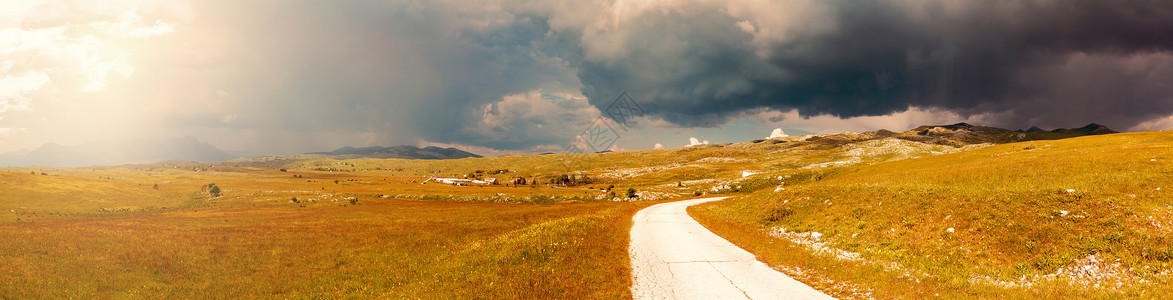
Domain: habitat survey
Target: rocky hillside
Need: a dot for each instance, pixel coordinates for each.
(956, 135)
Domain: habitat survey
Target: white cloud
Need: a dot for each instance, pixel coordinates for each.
(898, 121)
(64, 56)
(777, 133)
(132, 27)
(529, 116)
(6, 132)
(1163, 123)
(693, 141)
(14, 89)
(658, 146)
(58, 58)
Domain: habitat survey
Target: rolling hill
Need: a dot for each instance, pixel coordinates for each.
(1085, 217)
(943, 211)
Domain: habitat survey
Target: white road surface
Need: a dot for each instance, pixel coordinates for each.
(674, 257)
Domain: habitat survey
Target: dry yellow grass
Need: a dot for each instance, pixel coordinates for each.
(381, 248)
(1016, 220)
(108, 232)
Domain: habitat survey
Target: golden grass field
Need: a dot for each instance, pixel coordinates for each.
(108, 233)
(1009, 221)
(378, 248)
(1085, 217)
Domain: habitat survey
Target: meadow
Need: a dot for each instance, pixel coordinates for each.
(1085, 217)
(376, 248)
(855, 215)
(156, 231)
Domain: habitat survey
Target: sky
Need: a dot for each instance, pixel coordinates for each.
(529, 76)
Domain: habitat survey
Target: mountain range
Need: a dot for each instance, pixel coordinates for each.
(406, 152)
(957, 135)
(190, 149)
(115, 153)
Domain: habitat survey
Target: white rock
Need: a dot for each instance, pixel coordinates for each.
(1070, 191)
(1062, 213)
(950, 230)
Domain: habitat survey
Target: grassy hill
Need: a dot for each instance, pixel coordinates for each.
(937, 210)
(1084, 217)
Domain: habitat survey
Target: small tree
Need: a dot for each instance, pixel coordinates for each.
(213, 190)
(156, 186)
(631, 193)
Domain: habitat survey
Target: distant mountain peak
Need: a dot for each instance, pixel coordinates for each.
(1092, 128)
(1035, 129)
(1097, 128)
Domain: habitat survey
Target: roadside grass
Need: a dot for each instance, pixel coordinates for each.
(382, 248)
(1010, 221)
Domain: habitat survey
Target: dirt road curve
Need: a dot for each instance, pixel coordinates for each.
(674, 257)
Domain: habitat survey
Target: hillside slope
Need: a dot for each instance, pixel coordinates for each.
(1084, 217)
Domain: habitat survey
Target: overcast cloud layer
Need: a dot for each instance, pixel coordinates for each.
(300, 76)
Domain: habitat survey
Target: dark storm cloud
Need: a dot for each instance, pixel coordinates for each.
(1049, 63)
(300, 76)
(393, 71)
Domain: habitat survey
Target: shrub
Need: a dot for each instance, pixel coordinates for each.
(631, 193)
(777, 214)
(213, 190)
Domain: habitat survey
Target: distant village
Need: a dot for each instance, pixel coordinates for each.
(462, 181)
(476, 178)
(473, 178)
